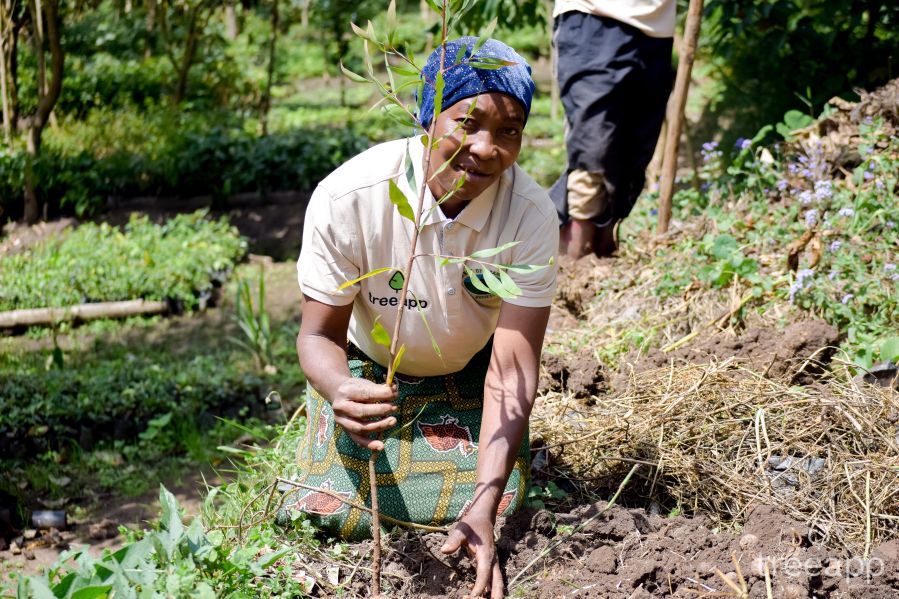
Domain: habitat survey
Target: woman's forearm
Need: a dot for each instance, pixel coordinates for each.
(509, 392)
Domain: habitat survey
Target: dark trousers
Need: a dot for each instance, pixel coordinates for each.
(614, 82)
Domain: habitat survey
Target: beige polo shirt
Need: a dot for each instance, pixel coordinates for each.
(655, 18)
(351, 228)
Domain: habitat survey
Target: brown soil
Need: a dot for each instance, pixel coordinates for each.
(797, 352)
(628, 553)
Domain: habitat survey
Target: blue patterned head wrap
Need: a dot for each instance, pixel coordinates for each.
(462, 80)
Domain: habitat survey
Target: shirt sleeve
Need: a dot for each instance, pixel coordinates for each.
(539, 244)
(328, 256)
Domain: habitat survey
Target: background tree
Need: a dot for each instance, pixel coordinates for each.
(45, 33)
(770, 56)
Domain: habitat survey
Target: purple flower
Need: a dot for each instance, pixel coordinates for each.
(846, 298)
(889, 266)
(793, 168)
(832, 275)
(823, 190)
(868, 175)
(807, 173)
(805, 198)
(890, 224)
(709, 146)
(835, 245)
(848, 212)
(801, 282)
(782, 184)
(895, 277)
(803, 159)
(868, 121)
(879, 184)
(743, 143)
(811, 218)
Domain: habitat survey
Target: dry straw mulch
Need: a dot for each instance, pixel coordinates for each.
(725, 438)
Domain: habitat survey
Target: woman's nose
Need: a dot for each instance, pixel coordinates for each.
(481, 144)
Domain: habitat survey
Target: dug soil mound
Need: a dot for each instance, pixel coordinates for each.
(628, 553)
(795, 353)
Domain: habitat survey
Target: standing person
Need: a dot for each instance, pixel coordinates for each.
(452, 434)
(614, 73)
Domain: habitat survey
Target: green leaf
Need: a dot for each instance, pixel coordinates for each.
(267, 560)
(354, 77)
(410, 168)
(32, 587)
(92, 592)
(889, 349)
(398, 199)
(524, 268)
(494, 284)
(404, 70)
(485, 35)
(476, 281)
(380, 335)
(438, 95)
(171, 518)
(367, 275)
(399, 357)
(508, 284)
(391, 19)
(489, 63)
(486, 253)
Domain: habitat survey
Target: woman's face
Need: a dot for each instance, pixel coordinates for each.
(491, 126)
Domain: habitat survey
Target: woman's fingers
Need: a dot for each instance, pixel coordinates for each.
(366, 443)
(498, 589)
(365, 427)
(485, 561)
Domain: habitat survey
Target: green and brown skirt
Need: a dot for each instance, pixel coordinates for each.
(426, 473)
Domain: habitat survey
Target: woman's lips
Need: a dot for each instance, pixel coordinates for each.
(472, 173)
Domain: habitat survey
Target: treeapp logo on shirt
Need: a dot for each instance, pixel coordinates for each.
(396, 283)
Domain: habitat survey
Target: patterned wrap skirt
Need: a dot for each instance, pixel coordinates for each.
(426, 472)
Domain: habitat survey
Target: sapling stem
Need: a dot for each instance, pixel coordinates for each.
(394, 338)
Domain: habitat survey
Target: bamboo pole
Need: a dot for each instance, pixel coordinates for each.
(676, 115)
(49, 316)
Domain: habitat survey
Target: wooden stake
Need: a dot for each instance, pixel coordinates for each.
(676, 115)
(49, 316)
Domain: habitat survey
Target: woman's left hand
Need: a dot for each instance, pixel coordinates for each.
(475, 533)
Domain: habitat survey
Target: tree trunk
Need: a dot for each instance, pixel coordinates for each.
(150, 26)
(231, 29)
(13, 75)
(190, 51)
(45, 104)
(4, 92)
(266, 101)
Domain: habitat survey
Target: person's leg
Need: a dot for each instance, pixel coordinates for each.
(651, 87)
(595, 62)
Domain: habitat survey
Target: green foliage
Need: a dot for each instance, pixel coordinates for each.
(772, 56)
(173, 560)
(177, 260)
(113, 393)
(254, 324)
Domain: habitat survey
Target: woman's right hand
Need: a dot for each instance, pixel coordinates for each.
(363, 408)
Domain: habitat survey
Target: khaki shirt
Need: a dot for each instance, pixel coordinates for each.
(655, 18)
(351, 228)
